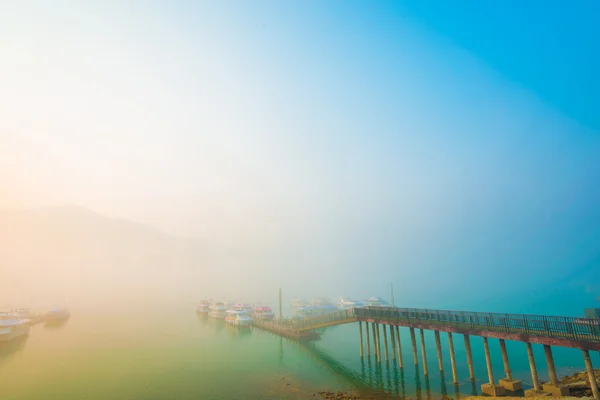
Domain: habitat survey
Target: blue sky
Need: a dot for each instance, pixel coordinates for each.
(438, 145)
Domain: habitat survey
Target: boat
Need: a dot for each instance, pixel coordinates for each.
(12, 327)
(263, 313)
(297, 303)
(217, 310)
(242, 306)
(376, 302)
(203, 307)
(238, 316)
(24, 313)
(57, 314)
(345, 303)
(319, 306)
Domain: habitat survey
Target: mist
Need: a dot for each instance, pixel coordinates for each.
(161, 156)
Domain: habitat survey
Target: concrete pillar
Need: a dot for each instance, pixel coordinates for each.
(537, 390)
(399, 348)
(424, 354)
(550, 363)
(438, 348)
(378, 342)
(553, 387)
(591, 376)
(508, 383)
(375, 344)
(393, 340)
(361, 337)
(488, 361)
(490, 388)
(469, 357)
(452, 359)
(505, 360)
(368, 340)
(385, 344)
(414, 345)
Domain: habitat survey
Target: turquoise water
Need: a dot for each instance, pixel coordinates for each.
(180, 355)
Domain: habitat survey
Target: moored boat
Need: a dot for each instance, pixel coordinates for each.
(203, 307)
(263, 313)
(57, 314)
(217, 310)
(242, 306)
(319, 306)
(376, 302)
(297, 303)
(345, 303)
(238, 316)
(12, 327)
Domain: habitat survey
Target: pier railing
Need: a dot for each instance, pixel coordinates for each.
(326, 319)
(550, 326)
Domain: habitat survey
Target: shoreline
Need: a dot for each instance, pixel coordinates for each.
(578, 384)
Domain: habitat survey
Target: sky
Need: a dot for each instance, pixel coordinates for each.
(436, 145)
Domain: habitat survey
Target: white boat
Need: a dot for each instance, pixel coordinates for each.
(203, 307)
(246, 307)
(376, 302)
(263, 313)
(238, 316)
(57, 314)
(319, 306)
(217, 310)
(345, 303)
(24, 313)
(297, 303)
(12, 327)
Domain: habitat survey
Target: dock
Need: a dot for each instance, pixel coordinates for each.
(547, 331)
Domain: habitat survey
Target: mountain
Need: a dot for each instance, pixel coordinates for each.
(73, 253)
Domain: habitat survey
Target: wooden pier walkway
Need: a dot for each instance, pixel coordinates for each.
(581, 333)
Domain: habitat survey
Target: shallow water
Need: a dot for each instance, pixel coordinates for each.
(181, 355)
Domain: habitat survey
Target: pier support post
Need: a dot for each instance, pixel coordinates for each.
(376, 341)
(553, 387)
(385, 344)
(361, 338)
(368, 340)
(490, 388)
(438, 348)
(537, 390)
(399, 347)
(452, 359)
(508, 383)
(591, 376)
(393, 340)
(424, 354)
(469, 357)
(414, 345)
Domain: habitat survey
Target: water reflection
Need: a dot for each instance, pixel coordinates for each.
(12, 347)
(56, 323)
(418, 384)
(443, 387)
(237, 331)
(473, 388)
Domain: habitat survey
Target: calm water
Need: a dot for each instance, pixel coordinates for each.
(180, 355)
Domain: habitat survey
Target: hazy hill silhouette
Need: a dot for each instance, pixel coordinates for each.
(73, 252)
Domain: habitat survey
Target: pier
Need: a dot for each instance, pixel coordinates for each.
(548, 331)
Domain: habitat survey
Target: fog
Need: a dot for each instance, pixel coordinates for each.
(159, 155)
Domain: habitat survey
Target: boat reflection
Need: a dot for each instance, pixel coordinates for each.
(10, 348)
(56, 324)
(238, 331)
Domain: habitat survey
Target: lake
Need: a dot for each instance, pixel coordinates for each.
(178, 354)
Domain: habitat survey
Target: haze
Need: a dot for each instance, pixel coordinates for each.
(157, 152)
